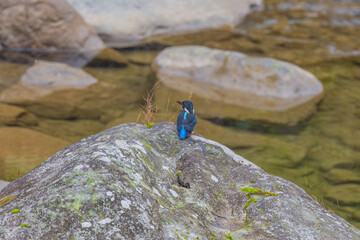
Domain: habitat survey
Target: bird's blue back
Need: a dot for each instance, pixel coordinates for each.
(185, 124)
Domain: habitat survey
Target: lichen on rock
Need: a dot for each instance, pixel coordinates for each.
(112, 186)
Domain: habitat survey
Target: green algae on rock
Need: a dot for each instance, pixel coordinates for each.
(111, 185)
(257, 191)
(15, 211)
(25, 225)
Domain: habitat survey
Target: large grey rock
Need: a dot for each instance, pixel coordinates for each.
(50, 25)
(123, 23)
(234, 78)
(122, 184)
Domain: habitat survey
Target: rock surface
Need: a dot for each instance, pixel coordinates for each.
(129, 23)
(51, 25)
(122, 184)
(234, 78)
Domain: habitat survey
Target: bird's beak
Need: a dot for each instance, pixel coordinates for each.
(181, 103)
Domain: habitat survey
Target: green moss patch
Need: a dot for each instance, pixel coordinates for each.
(228, 236)
(257, 191)
(25, 225)
(251, 200)
(149, 125)
(143, 140)
(15, 211)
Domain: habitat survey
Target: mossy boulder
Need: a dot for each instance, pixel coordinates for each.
(123, 184)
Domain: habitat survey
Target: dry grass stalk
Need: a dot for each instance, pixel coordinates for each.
(150, 108)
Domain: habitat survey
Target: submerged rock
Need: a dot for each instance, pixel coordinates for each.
(15, 116)
(341, 176)
(63, 92)
(122, 184)
(234, 78)
(108, 58)
(130, 23)
(46, 26)
(23, 149)
(44, 78)
(299, 31)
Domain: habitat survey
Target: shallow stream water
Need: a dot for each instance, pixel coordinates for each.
(320, 154)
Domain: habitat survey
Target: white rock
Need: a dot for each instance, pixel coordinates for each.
(124, 23)
(234, 78)
(56, 76)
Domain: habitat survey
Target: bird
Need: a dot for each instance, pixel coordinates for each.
(186, 120)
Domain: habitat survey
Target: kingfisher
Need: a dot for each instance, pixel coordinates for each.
(186, 120)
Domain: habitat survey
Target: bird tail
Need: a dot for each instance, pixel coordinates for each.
(182, 133)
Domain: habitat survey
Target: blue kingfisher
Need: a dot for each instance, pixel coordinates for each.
(186, 120)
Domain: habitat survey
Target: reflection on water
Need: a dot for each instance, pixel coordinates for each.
(28, 56)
